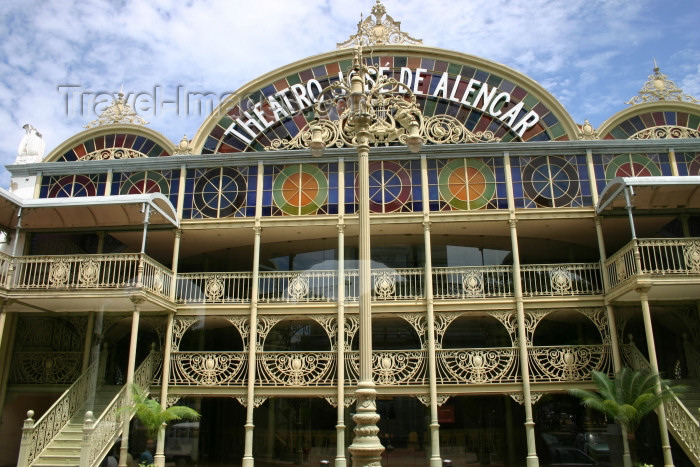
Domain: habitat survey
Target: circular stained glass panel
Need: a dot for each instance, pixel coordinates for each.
(300, 189)
(139, 183)
(73, 185)
(389, 187)
(220, 192)
(467, 183)
(550, 181)
(631, 165)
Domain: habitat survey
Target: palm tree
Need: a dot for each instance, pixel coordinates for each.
(627, 398)
(152, 415)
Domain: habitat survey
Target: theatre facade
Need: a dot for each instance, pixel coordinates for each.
(261, 270)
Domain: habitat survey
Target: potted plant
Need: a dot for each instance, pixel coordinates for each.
(152, 416)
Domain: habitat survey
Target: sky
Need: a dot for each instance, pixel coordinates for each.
(61, 59)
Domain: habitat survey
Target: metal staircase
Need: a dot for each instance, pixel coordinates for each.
(64, 448)
(681, 411)
(81, 426)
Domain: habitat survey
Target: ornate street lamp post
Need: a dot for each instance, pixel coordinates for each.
(370, 112)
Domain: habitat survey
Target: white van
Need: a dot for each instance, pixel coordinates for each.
(182, 443)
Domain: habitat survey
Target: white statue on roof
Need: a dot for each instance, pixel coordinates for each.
(31, 148)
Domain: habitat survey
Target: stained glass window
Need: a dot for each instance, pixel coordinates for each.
(466, 184)
(390, 187)
(688, 163)
(300, 189)
(550, 181)
(68, 186)
(609, 166)
(220, 192)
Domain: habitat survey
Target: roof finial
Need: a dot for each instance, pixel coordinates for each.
(660, 88)
(378, 29)
(119, 112)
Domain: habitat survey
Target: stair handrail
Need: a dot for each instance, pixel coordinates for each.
(683, 425)
(37, 435)
(99, 434)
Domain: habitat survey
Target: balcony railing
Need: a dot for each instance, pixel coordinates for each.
(472, 282)
(91, 272)
(561, 279)
(208, 368)
(492, 365)
(568, 363)
(405, 284)
(656, 257)
(478, 366)
(225, 287)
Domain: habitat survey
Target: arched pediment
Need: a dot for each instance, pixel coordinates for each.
(483, 95)
(653, 120)
(116, 141)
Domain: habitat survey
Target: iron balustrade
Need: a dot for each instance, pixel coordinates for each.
(682, 424)
(296, 368)
(120, 270)
(478, 365)
(403, 284)
(568, 362)
(208, 368)
(100, 434)
(450, 283)
(223, 287)
(37, 437)
(561, 279)
(654, 257)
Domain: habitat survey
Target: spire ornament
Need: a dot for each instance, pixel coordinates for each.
(119, 112)
(378, 29)
(660, 88)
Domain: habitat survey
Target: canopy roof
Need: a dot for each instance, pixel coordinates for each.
(651, 193)
(90, 211)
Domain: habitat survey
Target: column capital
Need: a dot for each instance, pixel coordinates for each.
(257, 229)
(341, 226)
(642, 288)
(178, 233)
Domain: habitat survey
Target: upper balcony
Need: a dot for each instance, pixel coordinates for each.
(65, 282)
(670, 266)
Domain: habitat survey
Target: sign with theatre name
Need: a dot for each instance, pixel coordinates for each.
(482, 100)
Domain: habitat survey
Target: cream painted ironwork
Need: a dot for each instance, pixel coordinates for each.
(397, 284)
(156, 278)
(509, 320)
(113, 153)
(684, 427)
(419, 324)
(45, 367)
(5, 263)
(291, 287)
(472, 282)
(57, 416)
(568, 363)
(559, 280)
(105, 429)
(666, 131)
(296, 368)
(399, 367)
(91, 272)
(180, 327)
(657, 256)
(208, 368)
(378, 29)
(442, 322)
(478, 366)
(660, 88)
(118, 112)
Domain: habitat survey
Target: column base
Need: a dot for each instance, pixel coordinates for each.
(532, 461)
(248, 462)
(159, 460)
(627, 460)
(436, 462)
(366, 448)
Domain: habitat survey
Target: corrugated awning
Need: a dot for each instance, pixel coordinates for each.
(651, 193)
(89, 211)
